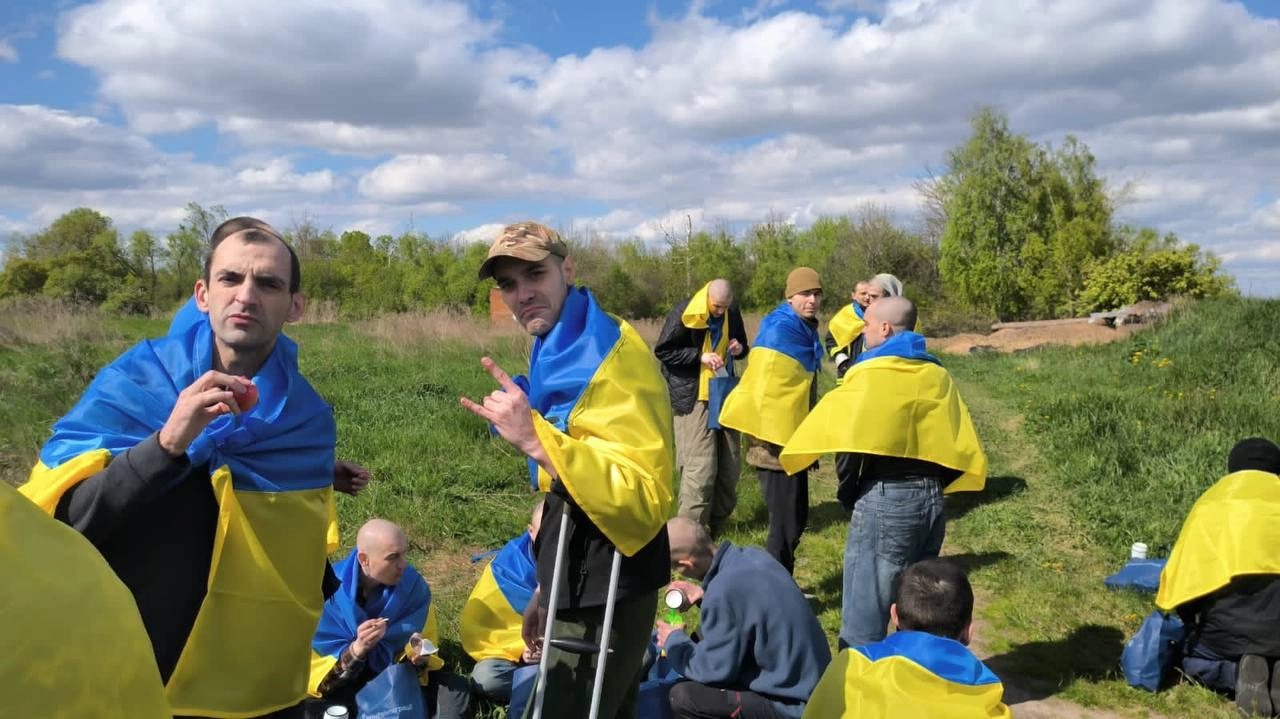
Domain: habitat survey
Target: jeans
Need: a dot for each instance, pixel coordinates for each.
(1210, 669)
(492, 678)
(894, 524)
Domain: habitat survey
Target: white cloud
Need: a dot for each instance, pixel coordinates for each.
(278, 175)
(7, 52)
(484, 234)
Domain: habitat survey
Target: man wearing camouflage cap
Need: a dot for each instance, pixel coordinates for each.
(594, 422)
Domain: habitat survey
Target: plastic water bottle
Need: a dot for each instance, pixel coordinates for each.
(1138, 551)
(337, 711)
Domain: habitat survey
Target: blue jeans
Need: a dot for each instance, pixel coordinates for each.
(894, 524)
(491, 679)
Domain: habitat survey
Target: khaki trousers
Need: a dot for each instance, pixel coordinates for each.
(709, 463)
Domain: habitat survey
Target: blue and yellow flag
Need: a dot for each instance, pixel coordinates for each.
(406, 607)
(1231, 530)
(74, 644)
(896, 401)
(845, 326)
(909, 674)
(772, 398)
(602, 412)
(272, 477)
(492, 618)
(697, 316)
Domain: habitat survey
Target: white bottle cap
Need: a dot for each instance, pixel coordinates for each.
(674, 598)
(1138, 551)
(336, 711)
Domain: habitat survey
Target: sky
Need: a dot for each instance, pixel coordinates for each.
(628, 119)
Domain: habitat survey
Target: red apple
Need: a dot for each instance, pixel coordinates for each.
(246, 399)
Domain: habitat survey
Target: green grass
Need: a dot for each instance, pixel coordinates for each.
(1091, 449)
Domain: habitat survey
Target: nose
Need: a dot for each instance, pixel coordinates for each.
(246, 292)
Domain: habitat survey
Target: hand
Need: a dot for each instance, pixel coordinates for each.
(712, 361)
(206, 399)
(735, 348)
(507, 409)
(368, 634)
(664, 631)
(415, 646)
(349, 477)
(692, 592)
(531, 656)
(535, 622)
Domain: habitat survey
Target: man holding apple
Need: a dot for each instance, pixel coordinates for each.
(594, 421)
(201, 466)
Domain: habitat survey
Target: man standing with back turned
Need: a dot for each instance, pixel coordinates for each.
(594, 422)
(201, 466)
(700, 336)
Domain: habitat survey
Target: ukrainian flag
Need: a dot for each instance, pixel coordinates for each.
(845, 326)
(74, 645)
(406, 607)
(909, 674)
(697, 316)
(1232, 529)
(272, 477)
(896, 401)
(494, 613)
(602, 412)
(772, 398)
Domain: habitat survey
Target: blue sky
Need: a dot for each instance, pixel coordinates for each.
(627, 118)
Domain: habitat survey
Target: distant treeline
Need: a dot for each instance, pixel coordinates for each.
(1013, 230)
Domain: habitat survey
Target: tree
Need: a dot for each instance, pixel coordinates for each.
(1152, 268)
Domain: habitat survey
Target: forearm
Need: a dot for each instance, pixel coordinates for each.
(347, 668)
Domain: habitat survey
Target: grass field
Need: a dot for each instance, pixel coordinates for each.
(1091, 449)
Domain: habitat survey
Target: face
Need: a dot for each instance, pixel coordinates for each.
(862, 294)
(717, 307)
(874, 292)
(247, 294)
(385, 561)
(534, 291)
(806, 303)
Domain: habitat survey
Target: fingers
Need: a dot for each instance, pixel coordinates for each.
(499, 376)
(478, 410)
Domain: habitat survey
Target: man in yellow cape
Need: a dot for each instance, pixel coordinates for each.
(775, 394)
(1223, 579)
(594, 422)
(844, 330)
(924, 669)
(201, 466)
(699, 342)
(899, 411)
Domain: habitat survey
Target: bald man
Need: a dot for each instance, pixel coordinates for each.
(762, 650)
(380, 616)
(698, 341)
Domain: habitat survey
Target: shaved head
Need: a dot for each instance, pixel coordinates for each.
(899, 312)
(376, 533)
(719, 296)
(691, 547)
(380, 550)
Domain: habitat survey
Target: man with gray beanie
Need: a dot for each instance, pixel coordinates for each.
(773, 398)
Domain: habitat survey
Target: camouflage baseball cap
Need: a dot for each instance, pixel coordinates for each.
(528, 241)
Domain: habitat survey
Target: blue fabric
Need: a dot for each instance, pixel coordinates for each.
(653, 699)
(907, 345)
(1140, 574)
(715, 326)
(893, 525)
(1152, 651)
(944, 658)
(758, 632)
(404, 606)
(286, 442)
(718, 388)
(515, 573)
(523, 682)
(857, 310)
(394, 694)
(785, 331)
(563, 361)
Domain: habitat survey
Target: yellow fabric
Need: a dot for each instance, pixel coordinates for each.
(771, 399)
(247, 652)
(73, 644)
(333, 534)
(322, 664)
(1232, 529)
(616, 459)
(854, 686)
(698, 311)
(490, 628)
(893, 407)
(695, 317)
(844, 327)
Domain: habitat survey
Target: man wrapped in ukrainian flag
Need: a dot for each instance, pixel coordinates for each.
(594, 421)
(899, 412)
(210, 494)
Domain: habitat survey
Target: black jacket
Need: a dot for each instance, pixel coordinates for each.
(679, 349)
(1240, 618)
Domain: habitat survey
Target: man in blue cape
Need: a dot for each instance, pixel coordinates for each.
(595, 425)
(378, 617)
(201, 466)
(924, 669)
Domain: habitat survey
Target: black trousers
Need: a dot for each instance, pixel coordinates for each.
(691, 700)
(787, 499)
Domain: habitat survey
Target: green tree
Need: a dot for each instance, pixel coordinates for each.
(1152, 268)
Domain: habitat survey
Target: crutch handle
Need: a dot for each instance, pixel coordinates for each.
(576, 646)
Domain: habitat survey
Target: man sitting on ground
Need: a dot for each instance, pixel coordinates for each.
(380, 616)
(1223, 578)
(762, 649)
(494, 614)
(922, 670)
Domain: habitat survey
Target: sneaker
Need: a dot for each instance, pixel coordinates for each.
(1252, 695)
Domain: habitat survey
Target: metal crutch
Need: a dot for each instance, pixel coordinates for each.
(576, 646)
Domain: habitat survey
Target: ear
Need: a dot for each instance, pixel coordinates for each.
(362, 559)
(685, 566)
(298, 303)
(893, 614)
(569, 268)
(967, 636)
(201, 292)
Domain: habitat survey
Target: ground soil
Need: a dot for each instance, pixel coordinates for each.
(1020, 338)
